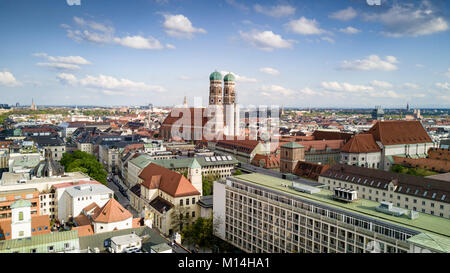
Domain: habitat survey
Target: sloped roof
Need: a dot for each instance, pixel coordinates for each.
(172, 117)
(292, 145)
(172, 183)
(309, 170)
(362, 143)
(395, 132)
(111, 212)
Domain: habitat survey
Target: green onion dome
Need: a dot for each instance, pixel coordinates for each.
(215, 76)
(229, 78)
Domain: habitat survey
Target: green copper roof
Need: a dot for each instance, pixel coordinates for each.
(194, 164)
(292, 145)
(215, 76)
(432, 241)
(21, 204)
(228, 78)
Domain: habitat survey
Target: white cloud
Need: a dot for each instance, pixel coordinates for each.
(139, 42)
(386, 94)
(350, 30)
(99, 33)
(407, 20)
(269, 70)
(381, 84)
(270, 90)
(60, 66)
(346, 87)
(180, 26)
(239, 78)
(344, 15)
(67, 79)
(275, 11)
(305, 26)
(266, 40)
(69, 60)
(444, 85)
(372, 62)
(328, 39)
(8, 79)
(170, 46)
(109, 84)
(73, 2)
(237, 5)
(447, 74)
(411, 85)
(62, 62)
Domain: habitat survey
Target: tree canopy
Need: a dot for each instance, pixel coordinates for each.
(79, 161)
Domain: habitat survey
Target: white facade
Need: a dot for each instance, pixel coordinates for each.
(20, 222)
(219, 208)
(75, 198)
(368, 160)
(106, 227)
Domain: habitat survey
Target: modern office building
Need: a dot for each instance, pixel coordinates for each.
(259, 213)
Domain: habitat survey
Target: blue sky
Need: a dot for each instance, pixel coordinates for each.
(293, 53)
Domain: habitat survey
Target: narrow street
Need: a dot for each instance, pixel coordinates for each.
(121, 198)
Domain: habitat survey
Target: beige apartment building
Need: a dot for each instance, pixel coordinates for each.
(163, 194)
(416, 193)
(264, 214)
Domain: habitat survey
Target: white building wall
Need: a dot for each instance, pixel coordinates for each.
(107, 227)
(219, 208)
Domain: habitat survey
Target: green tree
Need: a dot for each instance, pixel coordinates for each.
(237, 172)
(79, 161)
(180, 218)
(207, 183)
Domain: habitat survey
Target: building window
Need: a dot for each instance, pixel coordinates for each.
(193, 214)
(21, 233)
(66, 245)
(187, 201)
(181, 202)
(50, 248)
(21, 216)
(193, 200)
(34, 250)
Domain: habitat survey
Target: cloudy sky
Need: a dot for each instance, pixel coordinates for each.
(293, 53)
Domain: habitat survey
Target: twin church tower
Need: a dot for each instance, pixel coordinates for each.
(224, 103)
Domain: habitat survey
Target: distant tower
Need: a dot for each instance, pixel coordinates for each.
(216, 103)
(290, 154)
(195, 175)
(185, 102)
(407, 107)
(33, 106)
(215, 88)
(230, 107)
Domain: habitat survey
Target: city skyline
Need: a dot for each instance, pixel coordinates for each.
(297, 54)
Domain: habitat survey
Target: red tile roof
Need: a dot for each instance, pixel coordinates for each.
(271, 161)
(111, 212)
(309, 170)
(177, 113)
(172, 183)
(394, 132)
(84, 230)
(362, 143)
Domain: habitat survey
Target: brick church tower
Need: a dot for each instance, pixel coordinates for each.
(291, 153)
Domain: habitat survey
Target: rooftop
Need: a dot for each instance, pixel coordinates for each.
(88, 189)
(40, 239)
(12, 178)
(424, 223)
